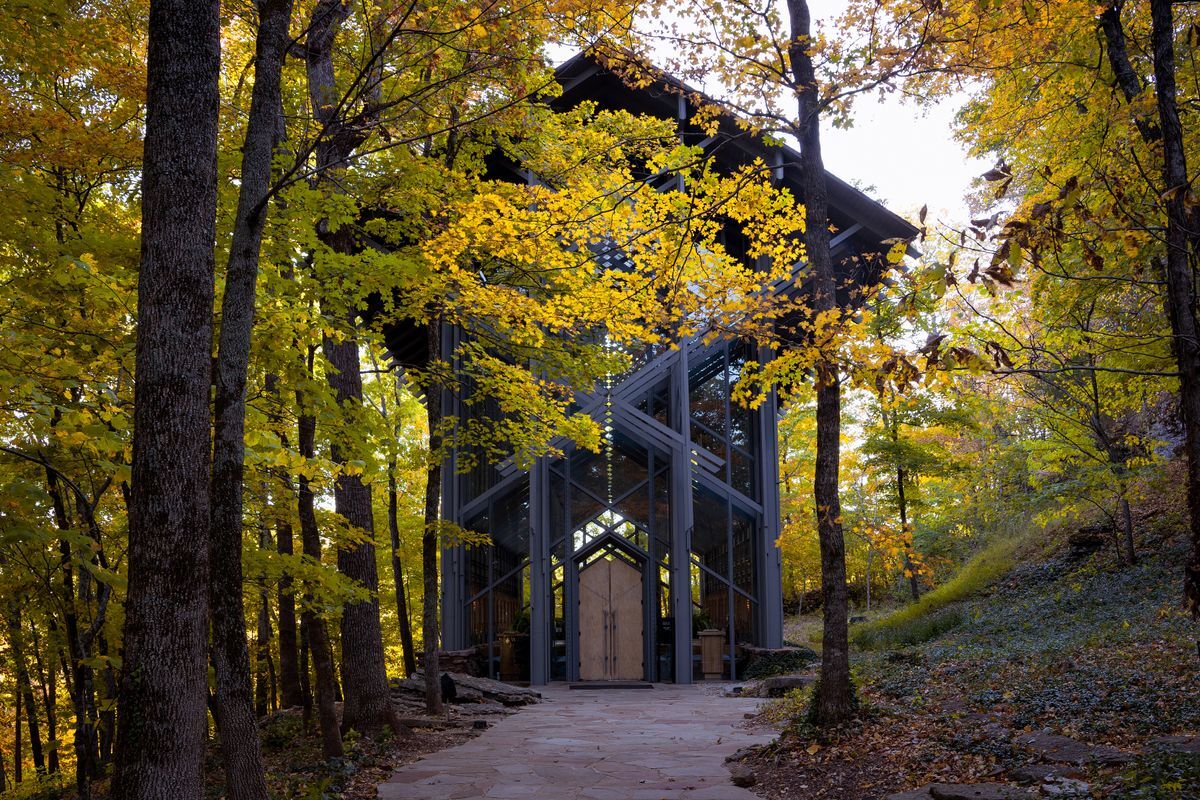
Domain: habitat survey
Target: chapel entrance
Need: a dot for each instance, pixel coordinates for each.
(610, 620)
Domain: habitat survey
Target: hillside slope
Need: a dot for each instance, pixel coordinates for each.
(1070, 645)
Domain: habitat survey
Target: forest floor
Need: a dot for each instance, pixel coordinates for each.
(296, 771)
(292, 752)
(1069, 644)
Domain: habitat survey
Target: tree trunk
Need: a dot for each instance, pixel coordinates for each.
(406, 637)
(305, 684)
(314, 625)
(914, 584)
(262, 650)
(1127, 523)
(35, 734)
(430, 540)
(870, 554)
(79, 675)
(161, 738)
(16, 643)
(238, 729)
(1182, 237)
(1117, 49)
(834, 701)
(107, 725)
(291, 691)
(18, 767)
(49, 686)
(368, 702)
(77, 672)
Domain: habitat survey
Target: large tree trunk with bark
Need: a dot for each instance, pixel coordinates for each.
(313, 624)
(834, 700)
(164, 682)
(237, 726)
(1183, 236)
(368, 702)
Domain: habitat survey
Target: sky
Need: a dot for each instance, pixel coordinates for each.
(908, 153)
(902, 154)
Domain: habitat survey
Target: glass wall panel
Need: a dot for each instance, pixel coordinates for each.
(710, 532)
(497, 586)
(744, 567)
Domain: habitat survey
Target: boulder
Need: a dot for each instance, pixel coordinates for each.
(911, 794)
(466, 661)
(742, 775)
(472, 689)
(979, 791)
(1176, 744)
(741, 754)
(1065, 750)
(1066, 787)
(1041, 773)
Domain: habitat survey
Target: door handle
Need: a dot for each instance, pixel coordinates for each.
(607, 643)
(616, 642)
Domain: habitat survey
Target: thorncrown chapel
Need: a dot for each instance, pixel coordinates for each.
(616, 565)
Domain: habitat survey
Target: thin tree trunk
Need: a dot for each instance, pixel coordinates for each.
(18, 767)
(107, 727)
(406, 637)
(305, 683)
(1182, 237)
(914, 584)
(314, 625)
(161, 738)
(16, 643)
(238, 730)
(35, 733)
(49, 685)
(834, 701)
(262, 650)
(292, 692)
(430, 539)
(79, 676)
(337, 684)
(292, 684)
(1127, 523)
(893, 426)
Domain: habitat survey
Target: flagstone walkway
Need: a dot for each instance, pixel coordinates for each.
(665, 743)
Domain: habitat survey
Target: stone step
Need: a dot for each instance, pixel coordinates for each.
(590, 685)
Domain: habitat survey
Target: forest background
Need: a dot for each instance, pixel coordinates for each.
(1022, 375)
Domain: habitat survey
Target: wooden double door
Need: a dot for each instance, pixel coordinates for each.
(610, 621)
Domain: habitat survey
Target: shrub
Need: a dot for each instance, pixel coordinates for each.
(928, 617)
(781, 662)
(1162, 776)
